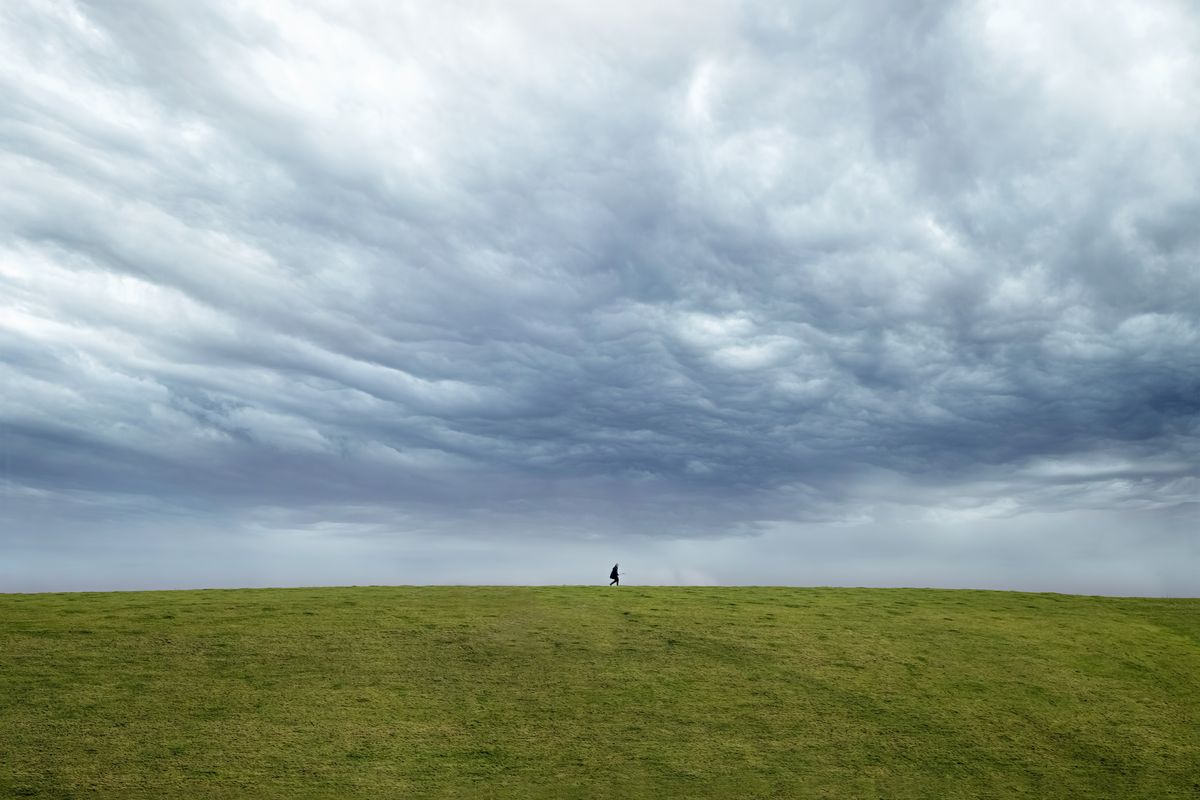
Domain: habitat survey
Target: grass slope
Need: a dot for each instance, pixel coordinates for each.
(590, 692)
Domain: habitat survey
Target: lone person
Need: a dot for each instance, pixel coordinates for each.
(616, 576)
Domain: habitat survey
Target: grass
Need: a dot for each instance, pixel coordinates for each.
(597, 692)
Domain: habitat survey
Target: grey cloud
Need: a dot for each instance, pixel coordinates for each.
(584, 274)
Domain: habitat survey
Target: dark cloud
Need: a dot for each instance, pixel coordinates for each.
(643, 277)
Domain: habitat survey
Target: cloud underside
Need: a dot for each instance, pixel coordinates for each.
(676, 271)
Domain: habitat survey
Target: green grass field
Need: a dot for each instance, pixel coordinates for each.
(597, 692)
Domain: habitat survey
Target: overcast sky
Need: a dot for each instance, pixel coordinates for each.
(818, 293)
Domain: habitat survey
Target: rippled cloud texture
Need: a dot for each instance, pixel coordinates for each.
(902, 293)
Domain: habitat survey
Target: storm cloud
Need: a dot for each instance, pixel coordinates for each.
(839, 293)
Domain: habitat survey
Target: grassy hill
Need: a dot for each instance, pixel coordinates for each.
(597, 692)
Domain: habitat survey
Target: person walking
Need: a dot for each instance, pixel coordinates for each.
(616, 576)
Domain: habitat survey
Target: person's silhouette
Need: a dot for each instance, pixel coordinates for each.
(616, 576)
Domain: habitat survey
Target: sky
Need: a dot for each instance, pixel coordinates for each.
(823, 293)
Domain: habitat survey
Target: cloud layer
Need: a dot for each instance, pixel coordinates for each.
(677, 273)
